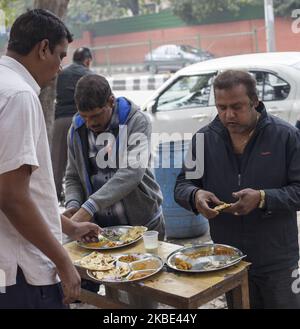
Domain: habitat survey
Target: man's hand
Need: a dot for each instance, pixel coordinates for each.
(248, 200)
(70, 281)
(70, 212)
(87, 232)
(81, 216)
(202, 199)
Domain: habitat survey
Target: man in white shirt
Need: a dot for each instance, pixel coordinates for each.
(31, 254)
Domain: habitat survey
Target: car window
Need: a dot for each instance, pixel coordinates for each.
(190, 49)
(270, 87)
(186, 92)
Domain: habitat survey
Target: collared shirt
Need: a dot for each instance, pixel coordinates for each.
(24, 142)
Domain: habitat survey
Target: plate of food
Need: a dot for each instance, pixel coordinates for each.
(127, 269)
(204, 258)
(113, 237)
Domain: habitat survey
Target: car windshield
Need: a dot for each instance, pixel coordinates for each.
(186, 92)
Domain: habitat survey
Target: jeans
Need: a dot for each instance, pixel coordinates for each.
(25, 296)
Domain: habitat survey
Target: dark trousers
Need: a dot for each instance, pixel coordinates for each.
(273, 290)
(25, 296)
(59, 151)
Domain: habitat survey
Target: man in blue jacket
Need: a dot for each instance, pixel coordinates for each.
(251, 160)
(116, 193)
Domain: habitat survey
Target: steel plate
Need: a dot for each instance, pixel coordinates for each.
(204, 258)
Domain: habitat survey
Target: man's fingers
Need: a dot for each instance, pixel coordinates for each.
(215, 200)
(207, 212)
(94, 228)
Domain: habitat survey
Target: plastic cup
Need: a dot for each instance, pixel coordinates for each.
(151, 241)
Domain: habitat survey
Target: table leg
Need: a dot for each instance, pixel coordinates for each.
(240, 294)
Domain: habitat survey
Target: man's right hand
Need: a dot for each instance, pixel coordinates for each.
(70, 212)
(71, 282)
(202, 198)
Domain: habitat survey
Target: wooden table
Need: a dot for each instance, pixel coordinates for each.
(176, 289)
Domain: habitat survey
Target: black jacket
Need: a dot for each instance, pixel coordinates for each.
(65, 89)
(271, 161)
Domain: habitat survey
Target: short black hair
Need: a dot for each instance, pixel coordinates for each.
(92, 91)
(34, 26)
(232, 78)
(81, 54)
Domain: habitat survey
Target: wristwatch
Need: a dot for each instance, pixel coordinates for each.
(262, 199)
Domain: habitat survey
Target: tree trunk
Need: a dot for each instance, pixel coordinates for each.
(132, 5)
(48, 94)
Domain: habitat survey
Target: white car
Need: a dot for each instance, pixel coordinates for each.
(185, 102)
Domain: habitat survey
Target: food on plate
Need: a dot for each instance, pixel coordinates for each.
(114, 274)
(203, 252)
(98, 244)
(222, 206)
(133, 233)
(111, 244)
(221, 250)
(182, 264)
(146, 264)
(140, 274)
(128, 258)
(97, 262)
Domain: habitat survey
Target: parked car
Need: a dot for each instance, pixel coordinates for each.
(174, 57)
(185, 102)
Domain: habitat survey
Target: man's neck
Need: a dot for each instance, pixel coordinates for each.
(25, 61)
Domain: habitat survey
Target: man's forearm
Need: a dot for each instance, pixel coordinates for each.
(33, 228)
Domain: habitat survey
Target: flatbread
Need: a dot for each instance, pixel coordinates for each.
(113, 274)
(222, 206)
(97, 262)
(133, 233)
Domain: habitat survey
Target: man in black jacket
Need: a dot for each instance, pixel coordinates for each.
(65, 109)
(251, 160)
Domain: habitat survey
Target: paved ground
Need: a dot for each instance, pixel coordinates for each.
(218, 303)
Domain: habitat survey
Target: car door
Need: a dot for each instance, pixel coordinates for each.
(184, 106)
(276, 92)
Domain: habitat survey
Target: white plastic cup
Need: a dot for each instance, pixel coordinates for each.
(151, 241)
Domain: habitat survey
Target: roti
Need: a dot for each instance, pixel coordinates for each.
(222, 206)
(97, 262)
(113, 274)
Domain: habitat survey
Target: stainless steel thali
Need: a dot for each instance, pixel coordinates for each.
(144, 267)
(112, 235)
(204, 258)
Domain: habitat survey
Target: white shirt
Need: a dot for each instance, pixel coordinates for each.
(23, 140)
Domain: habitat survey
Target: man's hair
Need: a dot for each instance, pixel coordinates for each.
(232, 78)
(81, 54)
(92, 91)
(34, 26)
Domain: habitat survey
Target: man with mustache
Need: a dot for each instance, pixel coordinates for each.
(252, 161)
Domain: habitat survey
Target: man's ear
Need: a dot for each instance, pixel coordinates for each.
(112, 100)
(43, 49)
